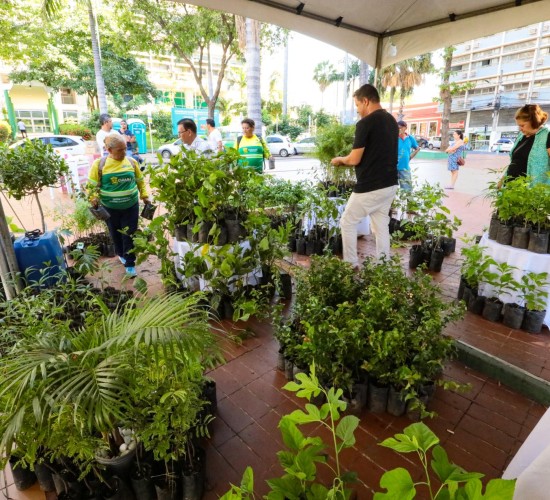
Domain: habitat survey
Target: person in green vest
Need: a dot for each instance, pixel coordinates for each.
(252, 148)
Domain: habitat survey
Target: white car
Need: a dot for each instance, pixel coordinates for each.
(169, 150)
(435, 142)
(279, 145)
(306, 145)
(61, 144)
(503, 145)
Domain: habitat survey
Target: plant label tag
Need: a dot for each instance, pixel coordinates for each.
(80, 245)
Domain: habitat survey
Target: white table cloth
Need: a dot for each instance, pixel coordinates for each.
(523, 260)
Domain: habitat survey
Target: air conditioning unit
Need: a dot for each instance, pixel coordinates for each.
(533, 31)
(467, 47)
(535, 95)
(540, 62)
(464, 75)
(472, 73)
(476, 45)
(528, 64)
(523, 95)
(546, 28)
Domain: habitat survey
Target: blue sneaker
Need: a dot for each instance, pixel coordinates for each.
(131, 272)
(122, 259)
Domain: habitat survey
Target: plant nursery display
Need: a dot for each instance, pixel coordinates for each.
(227, 243)
(380, 326)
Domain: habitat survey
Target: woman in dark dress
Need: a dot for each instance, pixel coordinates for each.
(530, 155)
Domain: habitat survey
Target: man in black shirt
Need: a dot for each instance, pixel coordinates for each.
(374, 156)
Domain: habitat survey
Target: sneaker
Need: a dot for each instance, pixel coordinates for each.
(131, 272)
(122, 259)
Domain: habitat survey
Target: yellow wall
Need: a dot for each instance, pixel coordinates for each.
(26, 98)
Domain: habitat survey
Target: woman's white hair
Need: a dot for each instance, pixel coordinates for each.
(113, 140)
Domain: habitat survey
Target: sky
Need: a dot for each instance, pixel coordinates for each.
(304, 54)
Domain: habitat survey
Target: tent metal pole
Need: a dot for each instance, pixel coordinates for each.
(8, 253)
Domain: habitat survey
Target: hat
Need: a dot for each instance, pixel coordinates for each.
(401, 123)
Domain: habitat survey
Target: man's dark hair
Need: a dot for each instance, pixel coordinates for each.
(211, 122)
(250, 122)
(188, 124)
(104, 118)
(367, 91)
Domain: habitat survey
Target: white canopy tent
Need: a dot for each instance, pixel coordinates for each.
(368, 28)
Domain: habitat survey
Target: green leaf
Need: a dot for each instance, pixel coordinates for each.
(288, 486)
(423, 435)
(292, 436)
(264, 244)
(399, 485)
(247, 482)
(400, 443)
(346, 428)
(441, 465)
(500, 489)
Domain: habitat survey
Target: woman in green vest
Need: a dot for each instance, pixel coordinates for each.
(530, 155)
(251, 147)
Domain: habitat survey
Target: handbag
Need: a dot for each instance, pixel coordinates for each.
(460, 161)
(148, 211)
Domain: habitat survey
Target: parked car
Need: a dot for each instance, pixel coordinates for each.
(306, 145)
(503, 145)
(435, 142)
(279, 145)
(61, 144)
(422, 141)
(168, 150)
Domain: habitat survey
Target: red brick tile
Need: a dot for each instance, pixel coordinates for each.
(470, 462)
(261, 441)
(496, 420)
(239, 455)
(486, 432)
(513, 413)
(266, 390)
(249, 402)
(481, 450)
(221, 432)
(236, 418)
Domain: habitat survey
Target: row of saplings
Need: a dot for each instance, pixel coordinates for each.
(376, 334)
(521, 213)
(106, 403)
(484, 281)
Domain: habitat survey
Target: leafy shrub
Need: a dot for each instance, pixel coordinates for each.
(76, 129)
(5, 131)
(162, 123)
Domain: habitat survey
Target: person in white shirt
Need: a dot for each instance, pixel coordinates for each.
(187, 130)
(214, 135)
(106, 123)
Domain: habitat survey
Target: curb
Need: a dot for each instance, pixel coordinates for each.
(516, 378)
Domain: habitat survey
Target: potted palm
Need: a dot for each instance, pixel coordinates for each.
(74, 391)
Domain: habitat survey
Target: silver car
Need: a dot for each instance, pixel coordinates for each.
(306, 145)
(279, 145)
(61, 144)
(169, 150)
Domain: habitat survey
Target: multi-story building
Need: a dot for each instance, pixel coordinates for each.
(507, 70)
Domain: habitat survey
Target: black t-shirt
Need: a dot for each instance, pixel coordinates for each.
(378, 134)
(520, 156)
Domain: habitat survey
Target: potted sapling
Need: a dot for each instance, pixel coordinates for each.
(501, 280)
(534, 288)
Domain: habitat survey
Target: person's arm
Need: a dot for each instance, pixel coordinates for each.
(457, 144)
(92, 184)
(140, 181)
(415, 152)
(350, 160)
(267, 153)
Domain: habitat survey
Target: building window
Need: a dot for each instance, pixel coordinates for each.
(413, 129)
(433, 128)
(199, 102)
(179, 99)
(70, 116)
(67, 96)
(36, 121)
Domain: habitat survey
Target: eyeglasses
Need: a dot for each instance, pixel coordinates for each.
(181, 132)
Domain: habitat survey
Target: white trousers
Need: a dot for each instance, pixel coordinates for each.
(377, 205)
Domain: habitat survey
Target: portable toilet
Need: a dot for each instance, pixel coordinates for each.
(116, 123)
(138, 128)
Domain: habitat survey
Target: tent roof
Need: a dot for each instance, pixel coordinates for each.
(367, 28)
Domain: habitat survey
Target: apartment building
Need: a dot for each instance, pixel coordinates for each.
(506, 71)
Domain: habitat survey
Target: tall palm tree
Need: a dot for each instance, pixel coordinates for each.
(53, 7)
(389, 78)
(324, 74)
(445, 96)
(411, 73)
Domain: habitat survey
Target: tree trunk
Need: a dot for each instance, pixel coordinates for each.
(364, 73)
(8, 260)
(446, 97)
(100, 84)
(392, 98)
(253, 67)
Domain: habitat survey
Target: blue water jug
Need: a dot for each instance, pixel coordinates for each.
(40, 257)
